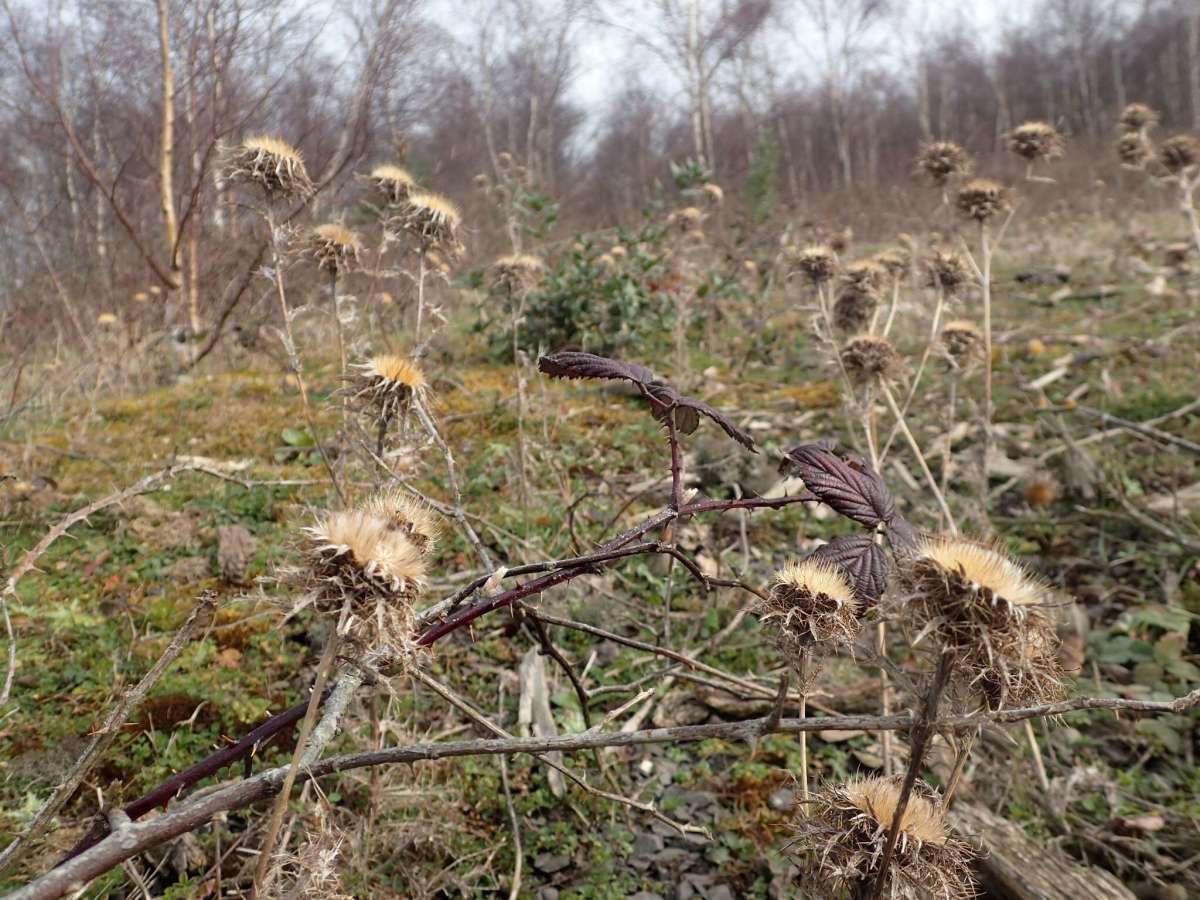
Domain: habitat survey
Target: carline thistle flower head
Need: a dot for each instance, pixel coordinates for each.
(334, 247)
(1137, 117)
(940, 161)
(430, 218)
(517, 272)
(393, 182)
(811, 603)
(839, 843)
(990, 613)
(947, 271)
(271, 164)
(1034, 141)
(384, 386)
(817, 262)
(981, 199)
(868, 357)
(853, 310)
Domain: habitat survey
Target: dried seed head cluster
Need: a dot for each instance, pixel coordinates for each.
(271, 164)
(942, 160)
(1179, 153)
(853, 309)
(713, 194)
(840, 842)
(865, 276)
(1133, 149)
(991, 614)
(1137, 117)
(947, 271)
(869, 357)
(1034, 141)
(430, 218)
(811, 604)
(393, 182)
(894, 261)
(963, 340)
(818, 262)
(335, 247)
(384, 386)
(517, 272)
(981, 198)
(685, 220)
(375, 558)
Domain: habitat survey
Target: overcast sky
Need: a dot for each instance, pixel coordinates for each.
(606, 54)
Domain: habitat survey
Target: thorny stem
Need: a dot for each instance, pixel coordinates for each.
(891, 318)
(292, 353)
(1187, 188)
(885, 703)
(918, 740)
(136, 837)
(985, 284)
(916, 449)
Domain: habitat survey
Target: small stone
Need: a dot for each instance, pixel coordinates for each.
(719, 892)
(646, 767)
(646, 843)
(235, 552)
(547, 893)
(549, 863)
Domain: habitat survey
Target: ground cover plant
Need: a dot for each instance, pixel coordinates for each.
(722, 553)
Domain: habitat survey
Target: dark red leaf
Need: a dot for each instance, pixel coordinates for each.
(573, 364)
(663, 397)
(848, 486)
(862, 560)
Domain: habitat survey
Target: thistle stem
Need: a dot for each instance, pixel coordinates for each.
(916, 449)
(420, 298)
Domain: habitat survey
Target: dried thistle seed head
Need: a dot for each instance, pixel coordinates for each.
(431, 219)
(617, 251)
(1137, 117)
(991, 614)
(865, 275)
(1179, 153)
(334, 247)
(713, 194)
(516, 272)
(1133, 149)
(811, 602)
(963, 340)
(868, 357)
(840, 841)
(686, 219)
(1033, 141)
(271, 164)
(894, 261)
(940, 161)
(393, 182)
(853, 309)
(981, 198)
(356, 551)
(841, 240)
(412, 518)
(384, 386)
(361, 559)
(818, 262)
